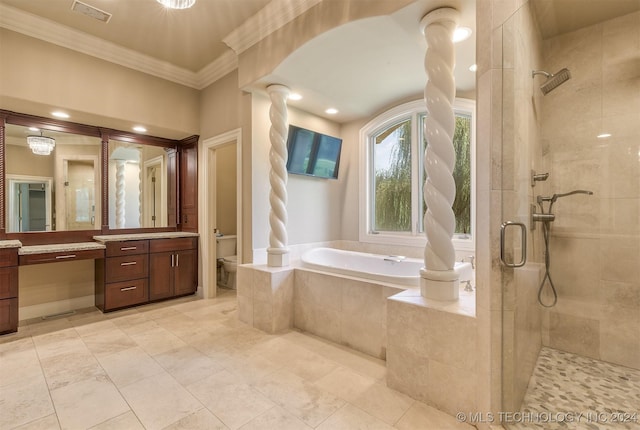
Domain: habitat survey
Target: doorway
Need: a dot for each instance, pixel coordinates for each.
(29, 204)
(213, 189)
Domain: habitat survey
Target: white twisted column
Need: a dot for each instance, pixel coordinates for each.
(120, 201)
(278, 253)
(438, 280)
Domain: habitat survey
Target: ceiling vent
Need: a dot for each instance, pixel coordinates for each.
(91, 11)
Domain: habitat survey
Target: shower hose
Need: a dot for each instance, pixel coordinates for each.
(546, 226)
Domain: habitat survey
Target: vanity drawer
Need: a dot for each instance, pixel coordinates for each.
(8, 282)
(59, 257)
(122, 294)
(165, 245)
(8, 257)
(126, 267)
(130, 247)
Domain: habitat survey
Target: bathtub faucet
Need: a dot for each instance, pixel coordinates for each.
(395, 258)
(472, 260)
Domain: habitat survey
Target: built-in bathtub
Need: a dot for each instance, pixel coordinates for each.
(342, 295)
(391, 269)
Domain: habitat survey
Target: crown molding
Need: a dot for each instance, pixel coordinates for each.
(40, 28)
(270, 18)
(215, 70)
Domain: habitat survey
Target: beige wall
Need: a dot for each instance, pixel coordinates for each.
(226, 191)
(315, 205)
(595, 242)
(94, 91)
(224, 107)
(45, 283)
(21, 161)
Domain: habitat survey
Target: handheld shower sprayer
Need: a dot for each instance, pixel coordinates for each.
(546, 218)
(554, 80)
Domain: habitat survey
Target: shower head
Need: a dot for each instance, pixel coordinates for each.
(553, 80)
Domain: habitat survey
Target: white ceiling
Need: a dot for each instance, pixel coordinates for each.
(358, 68)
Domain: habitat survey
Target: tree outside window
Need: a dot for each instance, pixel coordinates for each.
(397, 175)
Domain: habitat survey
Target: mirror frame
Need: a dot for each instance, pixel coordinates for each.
(173, 148)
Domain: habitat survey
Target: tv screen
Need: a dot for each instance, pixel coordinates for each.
(312, 153)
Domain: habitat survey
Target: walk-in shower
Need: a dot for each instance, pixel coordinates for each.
(546, 218)
(586, 136)
(554, 80)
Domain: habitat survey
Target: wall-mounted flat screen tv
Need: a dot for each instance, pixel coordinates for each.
(312, 153)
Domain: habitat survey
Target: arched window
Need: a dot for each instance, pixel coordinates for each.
(392, 149)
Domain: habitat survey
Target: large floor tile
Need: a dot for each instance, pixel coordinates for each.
(187, 364)
(24, 401)
(351, 418)
(68, 368)
(159, 401)
(50, 422)
(384, 403)
(300, 397)
(421, 416)
(275, 418)
(345, 383)
(130, 365)
(127, 421)
(203, 419)
(157, 340)
(230, 399)
(87, 403)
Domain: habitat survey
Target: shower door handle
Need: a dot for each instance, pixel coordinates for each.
(523, 229)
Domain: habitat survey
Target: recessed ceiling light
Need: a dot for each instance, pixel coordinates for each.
(295, 96)
(473, 68)
(34, 129)
(331, 111)
(59, 114)
(603, 135)
(177, 4)
(139, 129)
(461, 33)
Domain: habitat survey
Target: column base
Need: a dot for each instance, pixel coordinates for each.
(277, 257)
(439, 284)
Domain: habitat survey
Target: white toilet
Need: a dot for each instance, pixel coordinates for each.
(226, 252)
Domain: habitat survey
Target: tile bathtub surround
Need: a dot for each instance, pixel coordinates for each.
(191, 364)
(431, 354)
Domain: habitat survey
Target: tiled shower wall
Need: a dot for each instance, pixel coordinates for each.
(595, 243)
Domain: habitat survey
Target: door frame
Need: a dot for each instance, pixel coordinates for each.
(12, 204)
(61, 168)
(206, 219)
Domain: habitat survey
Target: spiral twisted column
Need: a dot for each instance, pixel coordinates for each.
(278, 253)
(120, 202)
(438, 280)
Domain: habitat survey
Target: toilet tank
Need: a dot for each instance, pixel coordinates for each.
(225, 246)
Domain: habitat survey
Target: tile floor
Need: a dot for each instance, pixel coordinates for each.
(566, 385)
(190, 364)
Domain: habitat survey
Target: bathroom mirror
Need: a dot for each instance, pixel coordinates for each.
(51, 189)
(139, 184)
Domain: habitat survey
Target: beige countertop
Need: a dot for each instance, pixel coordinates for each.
(60, 247)
(140, 236)
(10, 244)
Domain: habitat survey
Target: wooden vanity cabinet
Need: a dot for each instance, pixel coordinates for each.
(173, 267)
(122, 277)
(8, 290)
